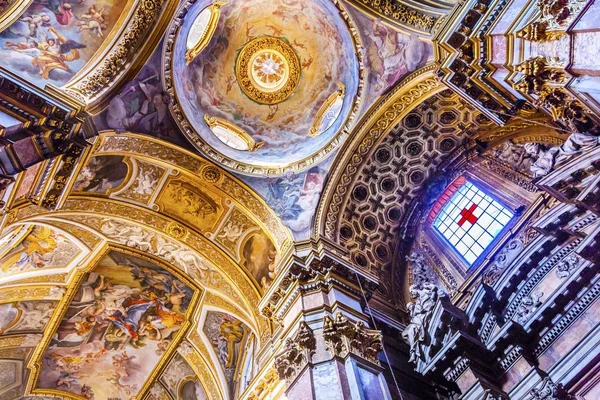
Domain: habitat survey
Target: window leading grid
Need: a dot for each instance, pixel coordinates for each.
(471, 220)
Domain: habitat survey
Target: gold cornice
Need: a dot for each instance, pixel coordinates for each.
(171, 156)
(34, 292)
(404, 17)
(369, 131)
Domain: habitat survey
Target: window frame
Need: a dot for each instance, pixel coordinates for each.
(438, 240)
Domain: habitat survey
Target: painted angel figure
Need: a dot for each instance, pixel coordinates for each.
(35, 22)
(94, 21)
(55, 52)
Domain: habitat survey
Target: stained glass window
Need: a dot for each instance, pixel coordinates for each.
(471, 220)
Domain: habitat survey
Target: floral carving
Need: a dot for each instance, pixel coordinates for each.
(343, 337)
(567, 266)
(297, 353)
(527, 307)
(549, 391)
(401, 13)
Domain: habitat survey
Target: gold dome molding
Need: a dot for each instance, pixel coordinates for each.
(268, 70)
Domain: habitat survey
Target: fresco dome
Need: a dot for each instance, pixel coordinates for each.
(268, 95)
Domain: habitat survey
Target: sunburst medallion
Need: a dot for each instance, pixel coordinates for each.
(268, 70)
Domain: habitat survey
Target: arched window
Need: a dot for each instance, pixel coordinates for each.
(469, 219)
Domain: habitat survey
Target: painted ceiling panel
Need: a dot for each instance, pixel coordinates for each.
(53, 40)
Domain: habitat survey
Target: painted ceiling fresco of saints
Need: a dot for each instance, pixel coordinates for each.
(38, 247)
(228, 337)
(101, 175)
(119, 324)
(390, 54)
(143, 106)
(54, 39)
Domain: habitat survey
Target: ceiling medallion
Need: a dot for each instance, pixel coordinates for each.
(268, 70)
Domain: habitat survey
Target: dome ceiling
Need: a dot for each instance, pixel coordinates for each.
(260, 96)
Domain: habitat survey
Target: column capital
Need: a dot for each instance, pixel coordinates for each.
(321, 268)
(344, 337)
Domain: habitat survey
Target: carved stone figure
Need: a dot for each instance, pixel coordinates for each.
(550, 391)
(421, 271)
(547, 160)
(514, 155)
(528, 305)
(567, 265)
(415, 334)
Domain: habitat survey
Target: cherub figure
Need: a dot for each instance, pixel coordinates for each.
(94, 21)
(35, 22)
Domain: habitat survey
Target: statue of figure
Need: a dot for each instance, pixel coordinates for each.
(513, 154)
(546, 160)
(415, 334)
(422, 272)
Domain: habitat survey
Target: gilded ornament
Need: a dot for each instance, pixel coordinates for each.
(343, 337)
(268, 70)
(132, 39)
(176, 231)
(231, 134)
(202, 30)
(401, 13)
(211, 174)
(327, 112)
(553, 19)
(297, 352)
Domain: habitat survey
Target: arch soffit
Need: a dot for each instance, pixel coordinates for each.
(373, 127)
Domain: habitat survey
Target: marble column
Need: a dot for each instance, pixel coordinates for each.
(327, 350)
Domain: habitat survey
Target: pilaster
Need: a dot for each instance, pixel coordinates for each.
(327, 348)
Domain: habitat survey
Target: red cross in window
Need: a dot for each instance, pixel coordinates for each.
(467, 215)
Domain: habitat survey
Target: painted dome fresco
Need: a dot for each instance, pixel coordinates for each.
(268, 94)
